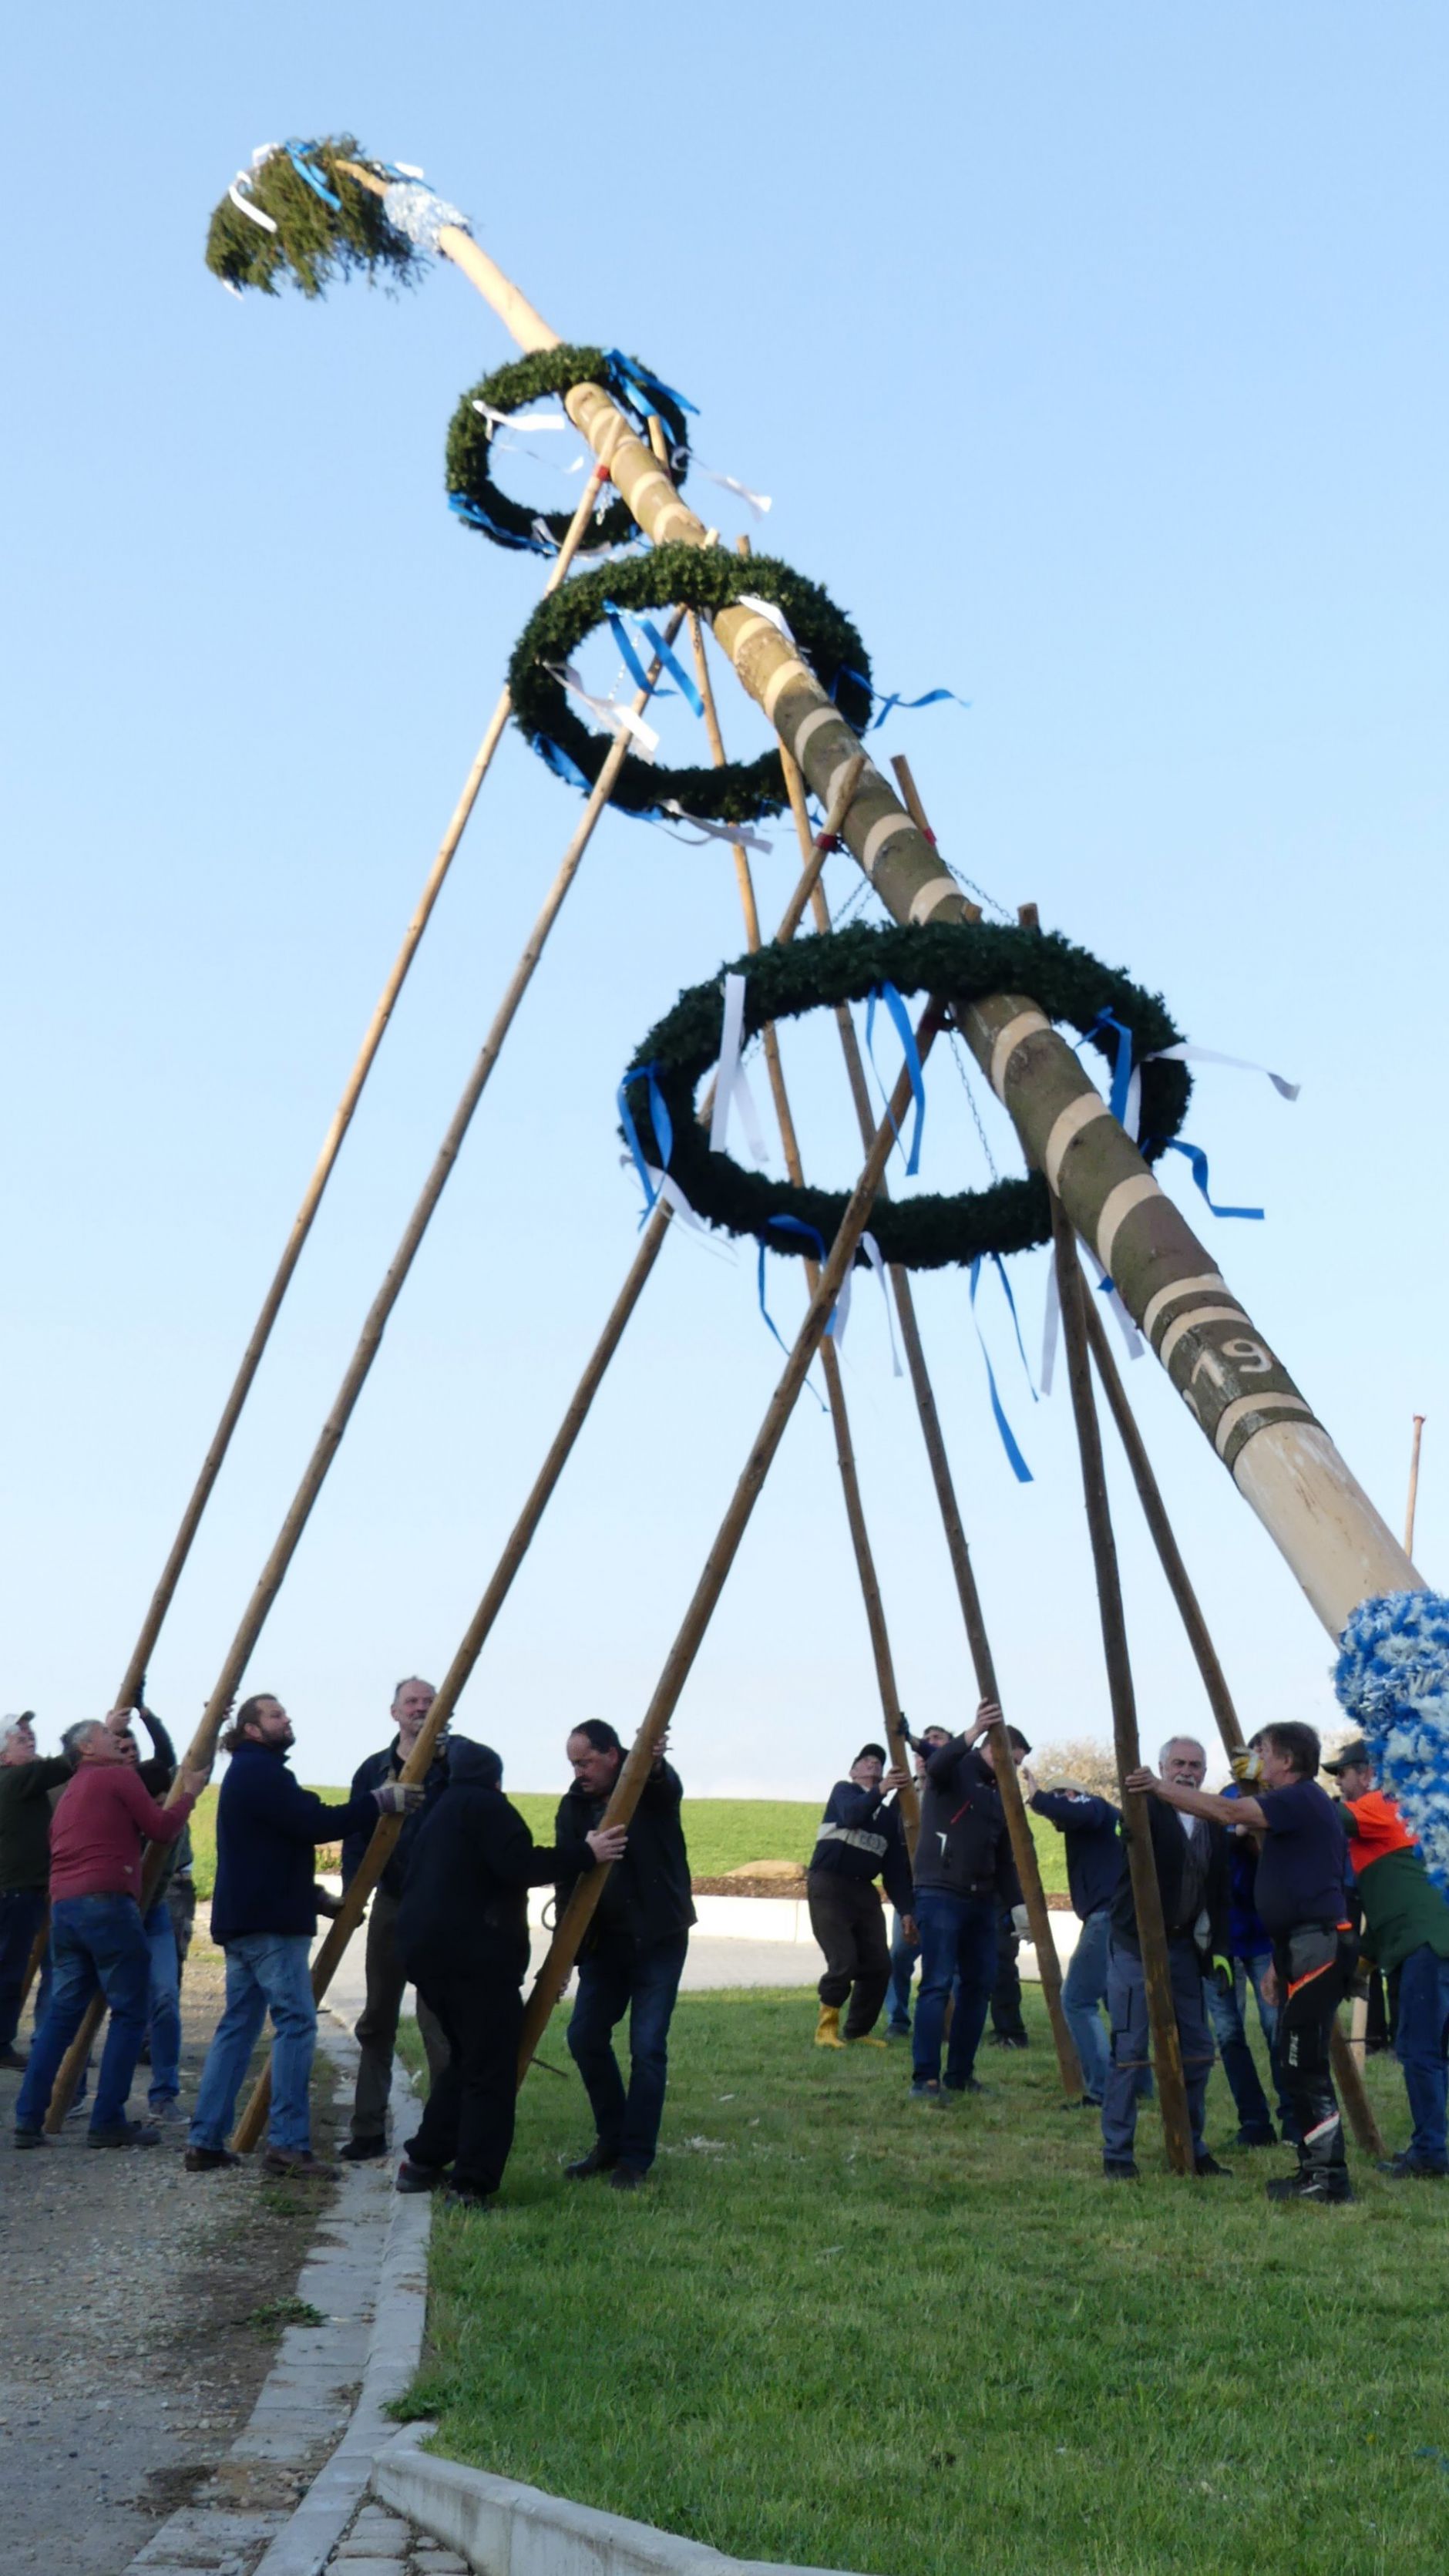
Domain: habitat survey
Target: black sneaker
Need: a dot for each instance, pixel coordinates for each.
(464, 2199)
(1119, 2169)
(209, 2159)
(362, 2151)
(1411, 2168)
(1307, 2185)
(31, 2138)
(925, 2088)
(965, 2084)
(598, 2160)
(1248, 2138)
(126, 2133)
(627, 2178)
(1007, 2039)
(411, 2177)
(12, 2062)
(1208, 2169)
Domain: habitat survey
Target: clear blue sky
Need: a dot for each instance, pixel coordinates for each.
(1095, 359)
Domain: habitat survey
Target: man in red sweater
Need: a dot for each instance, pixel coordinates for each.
(98, 1833)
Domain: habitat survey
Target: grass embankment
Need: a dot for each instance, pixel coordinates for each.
(722, 1833)
(846, 2329)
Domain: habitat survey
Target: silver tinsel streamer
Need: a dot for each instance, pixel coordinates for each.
(415, 211)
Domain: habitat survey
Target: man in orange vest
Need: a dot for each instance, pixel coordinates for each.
(1405, 1926)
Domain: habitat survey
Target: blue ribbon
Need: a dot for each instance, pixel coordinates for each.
(886, 703)
(637, 672)
(560, 763)
(659, 1119)
(793, 1225)
(318, 186)
(1122, 1073)
(1019, 1467)
(627, 371)
(887, 993)
(1199, 1161)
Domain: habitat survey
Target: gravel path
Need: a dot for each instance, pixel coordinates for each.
(136, 2333)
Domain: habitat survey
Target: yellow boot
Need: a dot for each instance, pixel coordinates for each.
(867, 2039)
(827, 2029)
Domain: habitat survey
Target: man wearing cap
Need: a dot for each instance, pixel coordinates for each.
(1091, 1829)
(964, 1875)
(1405, 1926)
(1190, 1853)
(1299, 1894)
(860, 1840)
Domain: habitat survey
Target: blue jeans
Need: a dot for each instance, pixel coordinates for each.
(165, 2006)
(904, 1955)
(21, 1909)
(96, 1945)
(643, 1983)
(1084, 1989)
(1132, 2044)
(266, 1972)
(1225, 2012)
(1420, 2043)
(958, 1939)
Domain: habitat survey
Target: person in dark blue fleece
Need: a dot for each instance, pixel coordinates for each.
(1091, 1829)
(263, 1915)
(860, 1841)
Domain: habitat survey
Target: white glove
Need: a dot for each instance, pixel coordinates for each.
(399, 1797)
(1021, 1922)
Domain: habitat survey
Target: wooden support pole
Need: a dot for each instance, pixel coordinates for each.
(578, 1913)
(1413, 1502)
(1214, 1681)
(202, 1752)
(386, 1831)
(1146, 1894)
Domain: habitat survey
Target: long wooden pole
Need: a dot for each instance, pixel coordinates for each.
(1214, 1680)
(284, 1547)
(1146, 1894)
(385, 1833)
(1235, 1387)
(578, 1913)
(1413, 1502)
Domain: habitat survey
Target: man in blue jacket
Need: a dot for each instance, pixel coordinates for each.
(860, 1841)
(376, 2032)
(1250, 1961)
(263, 1915)
(964, 1875)
(1091, 1830)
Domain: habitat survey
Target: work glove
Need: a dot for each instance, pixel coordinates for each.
(1021, 1922)
(399, 1797)
(1247, 1768)
(1221, 1972)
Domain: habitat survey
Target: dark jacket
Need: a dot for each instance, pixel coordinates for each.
(1169, 1850)
(267, 1830)
(963, 1848)
(464, 1907)
(25, 1789)
(1247, 1936)
(374, 1773)
(646, 1894)
(860, 1837)
(1091, 1829)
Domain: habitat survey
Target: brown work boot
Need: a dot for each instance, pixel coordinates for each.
(285, 2167)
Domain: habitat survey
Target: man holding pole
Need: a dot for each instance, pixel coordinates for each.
(860, 1841)
(26, 1780)
(386, 1976)
(1405, 1927)
(1091, 1829)
(633, 1956)
(964, 1875)
(263, 1915)
(1191, 1857)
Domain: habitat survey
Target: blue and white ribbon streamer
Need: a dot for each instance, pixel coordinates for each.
(667, 660)
(1199, 1161)
(841, 1316)
(617, 720)
(1285, 1089)
(889, 701)
(659, 1119)
(1018, 1465)
(645, 388)
(257, 214)
(732, 1082)
(1131, 1339)
(295, 153)
(735, 833)
(559, 761)
(766, 608)
(812, 1233)
(1121, 1092)
(758, 502)
(887, 993)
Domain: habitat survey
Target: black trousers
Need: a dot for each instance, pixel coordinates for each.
(848, 1920)
(468, 2122)
(1313, 1966)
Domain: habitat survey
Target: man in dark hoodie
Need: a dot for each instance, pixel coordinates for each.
(964, 1876)
(1190, 1850)
(263, 1915)
(860, 1841)
(633, 1954)
(462, 1936)
(376, 2032)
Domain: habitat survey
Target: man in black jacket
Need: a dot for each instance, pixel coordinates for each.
(376, 2032)
(633, 1955)
(860, 1841)
(26, 1780)
(1192, 1872)
(462, 1937)
(964, 1876)
(1091, 1828)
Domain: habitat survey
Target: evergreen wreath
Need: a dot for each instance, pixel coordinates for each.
(314, 242)
(960, 963)
(703, 578)
(528, 380)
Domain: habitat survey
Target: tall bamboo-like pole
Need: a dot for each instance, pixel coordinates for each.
(1214, 1680)
(480, 1627)
(1235, 1387)
(578, 1913)
(1413, 1501)
(1136, 1825)
(269, 1583)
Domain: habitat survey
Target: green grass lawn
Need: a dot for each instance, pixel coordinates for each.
(848, 2330)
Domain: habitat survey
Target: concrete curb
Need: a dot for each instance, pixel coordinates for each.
(503, 2529)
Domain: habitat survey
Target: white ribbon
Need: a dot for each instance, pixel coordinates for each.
(732, 1083)
(1132, 1339)
(244, 204)
(734, 832)
(841, 1316)
(765, 608)
(759, 502)
(617, 719)
(512, 419)
(1197, 1055)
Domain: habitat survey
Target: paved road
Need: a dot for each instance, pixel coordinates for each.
(710, 1967)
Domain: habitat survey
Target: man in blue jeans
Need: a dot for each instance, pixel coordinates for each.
(633, 1956)
(263, 1915)
(1405, 1927)
(1250, 1959)
(905, 1951)
(964, 1875)
(1091, 1829)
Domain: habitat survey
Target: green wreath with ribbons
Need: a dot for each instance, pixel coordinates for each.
(472, 491)
(959, 963)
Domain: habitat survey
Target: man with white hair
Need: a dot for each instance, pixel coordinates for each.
(1191, 1857)
(26, 1780)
